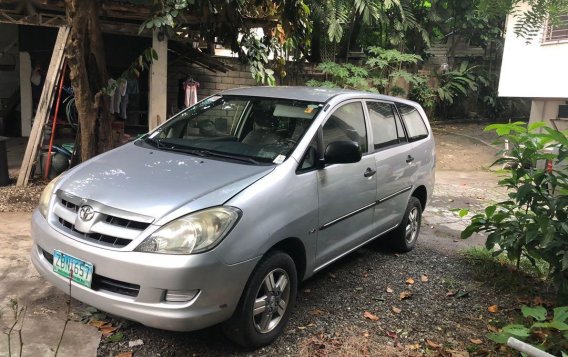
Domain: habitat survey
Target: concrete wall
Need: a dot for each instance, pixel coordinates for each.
(533, 70)
(214, 82)
(544, 110)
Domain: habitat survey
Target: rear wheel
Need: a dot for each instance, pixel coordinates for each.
(266, 303)
(406, 234)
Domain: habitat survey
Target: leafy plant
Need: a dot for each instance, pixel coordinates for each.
(533, 222)
(550, 335)
(457, 83)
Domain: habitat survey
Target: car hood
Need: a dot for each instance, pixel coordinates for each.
(155, 183)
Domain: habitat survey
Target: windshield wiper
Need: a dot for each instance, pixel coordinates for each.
(205, 153)
(154, 142)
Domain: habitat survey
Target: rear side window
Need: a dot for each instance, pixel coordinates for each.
(347, 123)
(413, 121)
(384, 124)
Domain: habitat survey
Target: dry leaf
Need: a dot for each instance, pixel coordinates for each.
(124, 354)
(391, 334)
(331, 275)
(410, 281)
(366, 334)
(413, 347)
(97, 323)
(365, 275)
(316, 312)
(405, 295)
(301, 327)
(476, 341)
(424, 278)
(456, 353)
(433, 344)
(370, 316)
(396, 310)
(108, 330)
(493, 308)
(389, 290)
(451, 293)
(492, 328)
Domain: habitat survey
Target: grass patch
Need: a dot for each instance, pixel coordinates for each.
(503, 274)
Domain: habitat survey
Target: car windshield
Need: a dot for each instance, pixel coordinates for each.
(250, 129)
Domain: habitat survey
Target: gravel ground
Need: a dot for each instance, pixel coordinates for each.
(20, 199)
(328, 319)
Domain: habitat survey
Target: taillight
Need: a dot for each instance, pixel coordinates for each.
(549, 166)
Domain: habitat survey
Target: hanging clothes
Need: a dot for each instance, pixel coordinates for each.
(190, 87)
(112, 86)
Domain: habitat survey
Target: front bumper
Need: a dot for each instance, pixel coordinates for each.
(220, 286)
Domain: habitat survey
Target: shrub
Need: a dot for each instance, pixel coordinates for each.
(533, 222)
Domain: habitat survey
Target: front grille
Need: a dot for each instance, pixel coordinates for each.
(103, 283)
(115, 286)
(94, 237)
(110, 227)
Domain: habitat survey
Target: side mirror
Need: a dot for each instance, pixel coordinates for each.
(342, 152)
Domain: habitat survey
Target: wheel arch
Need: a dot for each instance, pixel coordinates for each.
(421, 194)
(296, 250)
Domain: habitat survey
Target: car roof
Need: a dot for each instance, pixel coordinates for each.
(310, 94)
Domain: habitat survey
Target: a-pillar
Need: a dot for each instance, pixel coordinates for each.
(158, 82)
(26, 103)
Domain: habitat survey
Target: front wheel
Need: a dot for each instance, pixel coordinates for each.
(406, 234)
(266, 303)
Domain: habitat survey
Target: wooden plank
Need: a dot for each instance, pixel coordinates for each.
(44, 107)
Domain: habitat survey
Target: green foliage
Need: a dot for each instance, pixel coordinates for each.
(550, 335)
(257, 57)
(533, 221)
(458, 83)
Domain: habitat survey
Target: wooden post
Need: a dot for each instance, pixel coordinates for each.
(44, 107)
(26, 102)
(158, 83)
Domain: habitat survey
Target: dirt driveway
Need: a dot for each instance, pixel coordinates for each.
(447, 304)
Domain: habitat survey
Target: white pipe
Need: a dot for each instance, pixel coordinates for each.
(526, 348)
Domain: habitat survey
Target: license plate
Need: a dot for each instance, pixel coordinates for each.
(67, 265)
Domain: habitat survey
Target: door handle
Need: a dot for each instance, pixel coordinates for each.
(409, 159)
(369, 172)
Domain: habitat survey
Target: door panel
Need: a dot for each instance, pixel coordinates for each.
(346, 194)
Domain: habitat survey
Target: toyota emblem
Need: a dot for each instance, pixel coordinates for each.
(86, 213)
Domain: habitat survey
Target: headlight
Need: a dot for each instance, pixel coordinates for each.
(46, 196)
(193, 233)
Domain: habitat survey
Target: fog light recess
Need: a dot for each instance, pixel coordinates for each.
(181, 295)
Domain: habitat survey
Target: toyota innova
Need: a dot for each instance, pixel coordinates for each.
(217, 215)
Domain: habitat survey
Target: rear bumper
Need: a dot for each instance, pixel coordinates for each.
(219, 285)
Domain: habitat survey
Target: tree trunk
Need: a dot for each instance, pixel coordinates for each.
(88, 75)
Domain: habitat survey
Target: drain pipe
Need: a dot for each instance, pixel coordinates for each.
(526, 348)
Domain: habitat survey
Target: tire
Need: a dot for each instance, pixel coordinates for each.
(272, 285)
(404, 237)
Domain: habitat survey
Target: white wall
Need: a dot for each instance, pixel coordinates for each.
(533, 70)
(544, 110)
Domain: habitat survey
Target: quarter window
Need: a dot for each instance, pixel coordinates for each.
(347, 123)
(413, 121)
(384, 124)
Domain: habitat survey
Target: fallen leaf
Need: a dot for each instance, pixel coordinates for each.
(456, 353)
(331, 275)
(301, 327)
(365, 275)
(389, 290)
(366, 334)
(492, 328)
(107, 330)
(117, 337)
(405, 295)
(433, 344)
(476, 341)
(124, 354)
(97, 323)
(410, 281)
(358, 288)
(424, 278)
(451, 293)
(462, 294)
(391, 334)
(396, 310)
(493, 309)
(370, 316)
(413, 347)
(316, 312)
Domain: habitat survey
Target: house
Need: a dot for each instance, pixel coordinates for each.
(537, 69)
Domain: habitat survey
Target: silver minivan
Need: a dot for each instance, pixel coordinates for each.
(218, 214)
